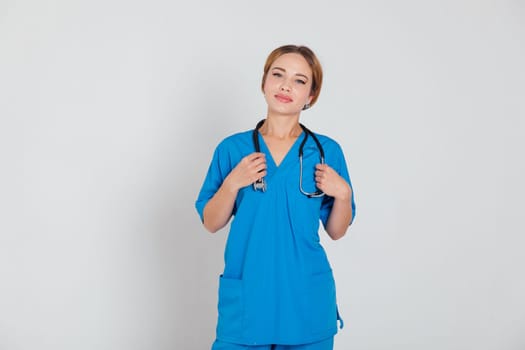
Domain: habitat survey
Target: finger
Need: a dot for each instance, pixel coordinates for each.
(259, 155)
(258, 163)
(321, 166)
(322, 173)
(253, 156)
(258, 160)
(260, 167)
(258, 176)
(255, 169)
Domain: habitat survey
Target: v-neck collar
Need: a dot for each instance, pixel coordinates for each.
(293, 150)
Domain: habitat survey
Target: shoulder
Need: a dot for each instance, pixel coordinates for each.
(328, 143)
(241, 136)
(240, 142)
(333, 152)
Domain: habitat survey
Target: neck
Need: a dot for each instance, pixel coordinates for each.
(281, 127)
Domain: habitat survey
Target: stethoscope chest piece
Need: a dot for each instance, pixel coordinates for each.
(259, 185)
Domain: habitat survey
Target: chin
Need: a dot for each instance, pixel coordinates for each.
(285, 110)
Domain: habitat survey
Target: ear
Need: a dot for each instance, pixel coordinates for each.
(310, 98)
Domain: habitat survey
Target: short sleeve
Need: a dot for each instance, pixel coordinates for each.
(338, 163)
(219, 168)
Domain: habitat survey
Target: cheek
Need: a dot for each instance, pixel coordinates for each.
(305, 93)
(267, 85)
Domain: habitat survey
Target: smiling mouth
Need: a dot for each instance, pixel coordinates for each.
(283, 98)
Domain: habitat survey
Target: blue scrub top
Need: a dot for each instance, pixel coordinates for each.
(277, 286)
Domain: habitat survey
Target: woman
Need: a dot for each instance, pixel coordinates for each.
(277, 290)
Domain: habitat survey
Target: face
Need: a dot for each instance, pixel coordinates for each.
(288, 84)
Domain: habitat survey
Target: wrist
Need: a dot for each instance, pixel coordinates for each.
(230, 186)
(344, 194)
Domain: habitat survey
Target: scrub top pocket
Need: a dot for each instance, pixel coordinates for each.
(231, 308)
(321, 302)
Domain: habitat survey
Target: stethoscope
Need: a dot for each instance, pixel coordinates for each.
(260, 185)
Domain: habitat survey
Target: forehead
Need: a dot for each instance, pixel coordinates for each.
(293, 63)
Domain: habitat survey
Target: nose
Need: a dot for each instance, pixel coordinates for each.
(285, 87)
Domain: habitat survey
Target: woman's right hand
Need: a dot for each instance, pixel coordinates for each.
(247, 171)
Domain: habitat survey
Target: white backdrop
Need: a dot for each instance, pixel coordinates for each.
(110, 111)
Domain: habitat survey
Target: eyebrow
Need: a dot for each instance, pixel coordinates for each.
(284, 70)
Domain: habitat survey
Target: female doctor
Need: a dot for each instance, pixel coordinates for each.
(278, 181)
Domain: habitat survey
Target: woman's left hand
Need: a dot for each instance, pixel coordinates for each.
(329, 181)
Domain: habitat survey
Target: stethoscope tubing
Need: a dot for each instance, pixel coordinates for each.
(260, 184)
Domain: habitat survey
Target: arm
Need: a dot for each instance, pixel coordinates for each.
(219, 208)
(332, 184)
(340, 216)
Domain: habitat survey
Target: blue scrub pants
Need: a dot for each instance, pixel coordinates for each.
(327, 344)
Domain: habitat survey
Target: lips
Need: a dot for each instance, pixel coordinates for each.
(283, 98)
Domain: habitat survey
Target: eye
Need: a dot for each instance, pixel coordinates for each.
(277, 74)
(299, 81)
